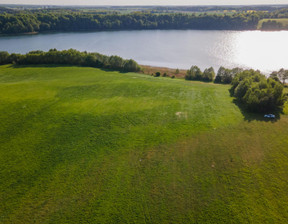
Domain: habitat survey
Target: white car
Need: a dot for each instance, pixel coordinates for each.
(269, 115)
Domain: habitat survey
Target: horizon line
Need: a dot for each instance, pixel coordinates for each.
(260, 4)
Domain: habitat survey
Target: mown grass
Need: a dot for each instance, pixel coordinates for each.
(82, 145)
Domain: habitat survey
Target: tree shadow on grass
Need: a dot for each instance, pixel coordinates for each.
(250, 116)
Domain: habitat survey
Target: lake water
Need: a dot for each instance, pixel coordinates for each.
(266, 51)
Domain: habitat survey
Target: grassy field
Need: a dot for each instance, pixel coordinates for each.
(82, 145)
(283, 21)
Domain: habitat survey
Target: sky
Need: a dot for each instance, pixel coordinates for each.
(144, 2)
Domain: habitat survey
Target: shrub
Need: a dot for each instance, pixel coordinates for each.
(157, 74)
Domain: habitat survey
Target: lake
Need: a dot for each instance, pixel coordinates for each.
(265, 51)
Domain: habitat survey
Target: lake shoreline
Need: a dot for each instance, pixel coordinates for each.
(167, 50)
(116, 30)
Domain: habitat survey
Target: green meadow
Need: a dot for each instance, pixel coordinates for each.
(283, 21)
(83, 145)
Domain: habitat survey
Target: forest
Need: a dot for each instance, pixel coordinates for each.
(40, 22)
(27, 21)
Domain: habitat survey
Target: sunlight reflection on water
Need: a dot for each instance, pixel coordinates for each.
(261, 50)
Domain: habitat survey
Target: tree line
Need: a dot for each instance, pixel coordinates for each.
(224, 75)
(80, 21)
(70, 57)
(195, 73)
(61, 19)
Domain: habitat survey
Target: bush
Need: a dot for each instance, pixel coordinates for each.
(157, 74)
